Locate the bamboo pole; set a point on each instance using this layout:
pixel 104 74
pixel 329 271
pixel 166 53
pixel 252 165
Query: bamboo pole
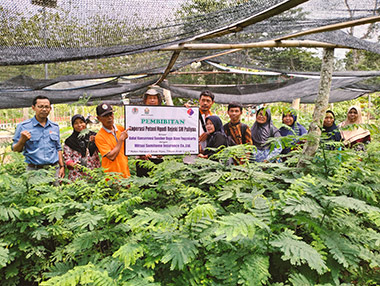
pixel 320 107
pixel 169 67
pixel 25 113
pixel 202 72
pixel 258 17
pixel 327 28
pixel 219 54
pixel 264 44
pixel 168 96
pixel 296 103
pixel 333 27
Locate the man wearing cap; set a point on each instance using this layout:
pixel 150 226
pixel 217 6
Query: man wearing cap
pixel 151 97
pixel 38 138
pixel 110 141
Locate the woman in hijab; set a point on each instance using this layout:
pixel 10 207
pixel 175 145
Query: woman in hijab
pixel 216 137
pixel 357 136
pixel 261 131
pixel 80 150
pixel 330 130
pixel 292 128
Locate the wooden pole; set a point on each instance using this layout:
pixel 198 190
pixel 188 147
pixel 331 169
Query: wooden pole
pixel 25 113
pixel 264 44
pixel 218 55
pixel 369 108
pixel 168 96
pixel 333 27
pixel 320 108
pixel 169 67
pixel 296 104
pixel 256 18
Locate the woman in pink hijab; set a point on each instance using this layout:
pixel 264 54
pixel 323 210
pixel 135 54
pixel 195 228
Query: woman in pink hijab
pixel 354 136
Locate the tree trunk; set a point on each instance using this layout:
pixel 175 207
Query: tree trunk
pixel 168 96
pixel 320 108
pixel 296 103
pixel 25 113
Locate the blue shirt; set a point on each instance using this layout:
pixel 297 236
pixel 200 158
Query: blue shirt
pixel 43 146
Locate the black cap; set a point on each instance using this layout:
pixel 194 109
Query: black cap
pixel 103 109
pixel 75 117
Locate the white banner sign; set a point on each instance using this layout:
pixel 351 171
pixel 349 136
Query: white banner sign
pixel 161 130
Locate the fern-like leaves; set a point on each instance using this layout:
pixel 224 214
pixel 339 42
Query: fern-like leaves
pixel 180 252
pixel 4 255
pixel 81 275
pixel 129 253
pixel 342 250
pixel 239 224
pixel 255 270
pixel 298 252
pixel 200 211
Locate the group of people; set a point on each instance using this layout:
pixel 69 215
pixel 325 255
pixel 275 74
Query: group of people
pixel 215 134
pixel 39 138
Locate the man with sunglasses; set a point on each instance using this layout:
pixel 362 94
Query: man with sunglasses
pixel 38 138
pixel 110 141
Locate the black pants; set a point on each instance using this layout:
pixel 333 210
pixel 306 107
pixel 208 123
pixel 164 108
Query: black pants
pixel 142 171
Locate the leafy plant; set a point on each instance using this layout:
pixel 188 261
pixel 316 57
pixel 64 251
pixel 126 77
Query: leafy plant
pixel 203 224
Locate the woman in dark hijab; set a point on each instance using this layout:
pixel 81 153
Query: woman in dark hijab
pixel 261 131
pixel 330 130
pixel 80 150
pixel 216 137
pixel 292 128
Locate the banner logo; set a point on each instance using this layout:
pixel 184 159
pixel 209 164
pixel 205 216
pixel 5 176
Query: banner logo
pixel 190 111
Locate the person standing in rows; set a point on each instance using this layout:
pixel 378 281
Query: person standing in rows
pixel 330 131
pixel 152 98
pixel 206 100
pixel 216 138
pixel 39 140
pixel 291 128
pixel 110 141
pixel 80 150
pixel 262 130
pixel 237 131
pixel 354 137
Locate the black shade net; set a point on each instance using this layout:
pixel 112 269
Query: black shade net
pixel 115 39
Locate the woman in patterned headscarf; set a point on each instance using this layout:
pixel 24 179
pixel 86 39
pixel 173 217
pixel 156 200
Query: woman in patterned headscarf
pixel 261 131
pixel 356 136
pixel 80 151
pixel 292 128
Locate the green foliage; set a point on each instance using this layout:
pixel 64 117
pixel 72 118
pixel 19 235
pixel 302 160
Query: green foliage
pixel 298 251
pixel 203 224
